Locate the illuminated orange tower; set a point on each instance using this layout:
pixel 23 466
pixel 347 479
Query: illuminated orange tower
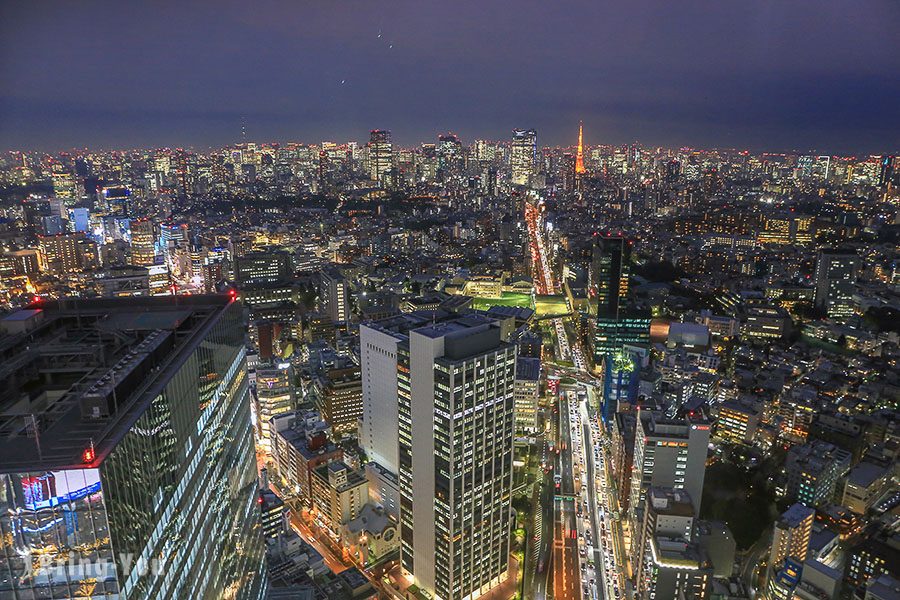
pixel 579 156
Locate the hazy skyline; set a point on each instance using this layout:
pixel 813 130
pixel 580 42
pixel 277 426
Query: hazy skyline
pixel 765 75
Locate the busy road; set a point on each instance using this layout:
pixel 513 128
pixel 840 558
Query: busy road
pixel 587 558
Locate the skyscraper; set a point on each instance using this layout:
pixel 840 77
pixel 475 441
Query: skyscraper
pixel 64 183
pixel 836 272
pixel 131 471
pixel 616 323
pixel 335 295
pixel 669 453
pixel 523 153
pixel 456 445
pixel 620 382
pixel 378 361
pixel 143 242
pixel 449 155
pixel 610 270
pixel 381 156
pixel 116 200
pixel 274 395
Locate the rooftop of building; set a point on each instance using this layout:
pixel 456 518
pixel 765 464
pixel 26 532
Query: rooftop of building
pixel 521 313
pixel 657 424
pixel 816 455
pixel 795 515
pixel 865 474
pixel 269 500
pixel 372 518
pixel 528 369
pixel 676 553
pixel 400 325
pixel 465 336
pixel 354 478
pixel 298 428
pixel 670 501
pixel 78 379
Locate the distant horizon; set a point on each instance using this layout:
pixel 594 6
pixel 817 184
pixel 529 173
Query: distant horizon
pixel 466 141
pixel 761 76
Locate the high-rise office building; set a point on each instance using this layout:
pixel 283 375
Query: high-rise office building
pixel 335 295
pixel 143 242
pixel 669 562
pixel 381 156
pixel 378 361
pixel 64 183
pixel 449 155
pixel 609 274
pixel 131 471
pixel 269 266
pixel 616 322
pixel 379 343
pixel 172 236
pixel 338 394
pixel 116 200
pixel 790 538
pixel 456 448
pixel 836 272
pixel 25 262
pixel 273 395
pixel 62 253
pixel 522 156
pixel 669 453
pixel 527 393
pixel 620 382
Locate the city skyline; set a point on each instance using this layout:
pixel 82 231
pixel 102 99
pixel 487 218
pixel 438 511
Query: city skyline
pixel 433 301
pixel 125 76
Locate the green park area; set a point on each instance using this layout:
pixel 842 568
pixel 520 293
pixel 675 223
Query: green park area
pixel 741 501
pixel 545 306
pixel 506 299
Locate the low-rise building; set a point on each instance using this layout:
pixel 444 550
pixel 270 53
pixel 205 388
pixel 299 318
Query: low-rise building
pixel 766 323
pixel 300 444
pixel 371 535
pixel 813 470
pixel 339 494
pixel 866 483
pixel 738 421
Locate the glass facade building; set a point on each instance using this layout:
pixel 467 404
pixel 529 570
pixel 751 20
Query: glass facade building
pixel 152 496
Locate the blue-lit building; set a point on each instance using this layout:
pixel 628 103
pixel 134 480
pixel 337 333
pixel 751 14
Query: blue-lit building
pixel 621 380
pixel 784 582
pixel 80 218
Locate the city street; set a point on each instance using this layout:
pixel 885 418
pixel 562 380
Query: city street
pixel 565 570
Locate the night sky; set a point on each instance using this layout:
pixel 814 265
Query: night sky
pixel 759 74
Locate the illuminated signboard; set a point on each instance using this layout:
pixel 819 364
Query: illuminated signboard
pixel 59 487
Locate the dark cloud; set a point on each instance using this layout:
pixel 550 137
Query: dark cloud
pixel 774 74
